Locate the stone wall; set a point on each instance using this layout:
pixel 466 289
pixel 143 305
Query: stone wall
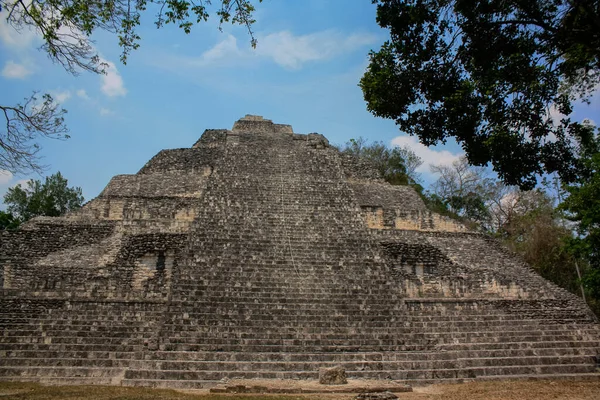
pixel 356 168
pixel 117 265
pixel 39 238
pixel 175 183
pixel 464 265
pixel 259 125
pixel 193 160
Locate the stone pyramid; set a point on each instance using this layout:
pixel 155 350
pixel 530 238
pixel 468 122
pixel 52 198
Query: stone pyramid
pixel 262 253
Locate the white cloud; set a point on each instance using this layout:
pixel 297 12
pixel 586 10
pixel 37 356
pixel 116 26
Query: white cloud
pixel 291 51
pixel 9 36
pixel 5 176
pixel 81 93
pixel 105 111
pixel 429 155
pixel 283 47
pixel 112 82
pixel 12 70
pixel 61 97
pixel 23 39
pixel 588 121
pixel 225 49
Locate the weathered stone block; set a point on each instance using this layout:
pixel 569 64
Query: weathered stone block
pixel 332 376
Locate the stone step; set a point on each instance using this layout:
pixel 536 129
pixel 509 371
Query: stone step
pixel 80 324
pixel 62 347
pixel 68 362
pixel 367 356
pixel 343 320
pixel 296 278
pixel 403 348
pixel 79 331
pixel 378 374
pixel 341 333
pixel 256 338
pixel 60 372
pixel 183 305
pixel 374 342
pixel 183 322
pixel 182 325
pixel 423 322
pixel 549 377
pixel 298 357
pixel 518 345
pixel 90 355
pixel 73 380
pixel 349 366
pixel 171 384
pixel 191 384
pixel 185 319
pixel 248 286
pixel 95 340
pixel 43 302
pixel 409 346
pixel 526 361
pixel 230 304
pixel 91 318
pixel 73 339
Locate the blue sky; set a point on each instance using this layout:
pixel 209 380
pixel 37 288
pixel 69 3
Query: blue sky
pixel 304 72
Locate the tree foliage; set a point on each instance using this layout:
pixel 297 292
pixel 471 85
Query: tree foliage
pixel 65 28
pixel 466 192
pixel 533 229
pixel 51 198
pixel 494 75
pixel 67 25
pixel 396 165
pixel 583 207
pixel 8 221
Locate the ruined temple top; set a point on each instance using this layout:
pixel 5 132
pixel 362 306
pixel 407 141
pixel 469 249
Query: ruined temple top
pixel 258 124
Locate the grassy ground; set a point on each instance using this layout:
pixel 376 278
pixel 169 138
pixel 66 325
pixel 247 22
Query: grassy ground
pixel 525 390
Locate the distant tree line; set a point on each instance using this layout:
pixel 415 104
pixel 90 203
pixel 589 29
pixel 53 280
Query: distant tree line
pixel 51 198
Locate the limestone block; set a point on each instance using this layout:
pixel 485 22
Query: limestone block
pixel 374 218
pixel 332 376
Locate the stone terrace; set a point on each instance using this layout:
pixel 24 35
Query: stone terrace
pixel 262 253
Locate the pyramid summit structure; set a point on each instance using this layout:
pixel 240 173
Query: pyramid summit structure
pixel 263 253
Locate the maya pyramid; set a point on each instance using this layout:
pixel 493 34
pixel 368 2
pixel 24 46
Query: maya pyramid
pixel 262 253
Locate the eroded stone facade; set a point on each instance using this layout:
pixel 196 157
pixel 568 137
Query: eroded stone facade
pixel 263 253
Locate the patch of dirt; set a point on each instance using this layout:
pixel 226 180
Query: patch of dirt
pixel 307 386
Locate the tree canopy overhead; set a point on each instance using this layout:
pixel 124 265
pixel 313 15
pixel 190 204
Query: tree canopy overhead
pixel 66 25
pixel 499 76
